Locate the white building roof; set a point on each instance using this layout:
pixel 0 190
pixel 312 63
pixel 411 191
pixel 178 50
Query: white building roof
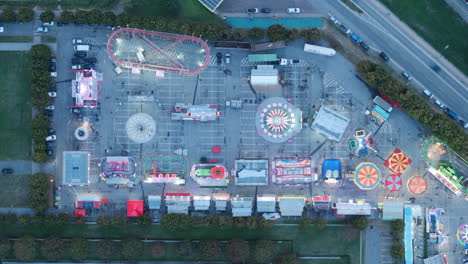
pixel 75 168
pixel 330 123
pixel 291 206
pixel 154 202
pixel 392 210
pixel 264 75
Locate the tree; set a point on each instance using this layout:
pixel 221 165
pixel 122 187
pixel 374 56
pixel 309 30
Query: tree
pixel 256 33
pixel 158 250
pixel 105 249
pixel 398 227
pixel 25 248
pixel 287 258
pixel 311 34
pixel 225 222
pixel 263 223
pixel 198 220
pixel 5 247
pixel 292 34
pixel 118 220
pixel 103 220
pixel 95 17
pixel 184 248
pixel 25 15
pixel 237 34
pixel 39 192
pixel 263 251
pixel 81 17
pixel 66 17
pixel 251 222
pixel 79 248
pixel 8 15
pixel 109 18
pixel 305 222
pixel 24 219
pixel 40 51
pixel 63 219
pixel 47 16
pixel 175 222
pixel 52 248
pixel 10 219
pixel 210 220
pixel 277 32
pixel 144 220
pixel 239 222
pixel 80 220
pixel 359 222
pixel 320 223
pixel 398 251
pixel 132 248
pixel 40 157
pixel 238 250
pixel 210 249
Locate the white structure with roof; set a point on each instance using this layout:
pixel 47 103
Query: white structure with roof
pixel 75 168
pixel 266 203
pixel 221 200
pixel 392 210
pixel 291 206
pixel 241 206
pixel 353 208
pixel 178 204
pixel 264 76
pixel 154 202
pixel 251 172
pixel 330 123
pixel 201 202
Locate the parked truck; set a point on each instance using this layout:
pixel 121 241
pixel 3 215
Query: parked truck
pixel 268 58
pixel 319 50
pixel 81 47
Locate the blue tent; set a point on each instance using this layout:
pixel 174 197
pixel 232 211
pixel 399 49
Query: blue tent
pixel 331 169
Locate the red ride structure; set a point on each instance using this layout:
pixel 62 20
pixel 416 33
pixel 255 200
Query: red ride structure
pixel 157 51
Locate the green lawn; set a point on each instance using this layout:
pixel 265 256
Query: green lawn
pixel 437 24
pixel 190 10
pixel 334 241
pixel 16 39
pixel 48 39
pixel 17 192
pixel 15 106
pixel 65 4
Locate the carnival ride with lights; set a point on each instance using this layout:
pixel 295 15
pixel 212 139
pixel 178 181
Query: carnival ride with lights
pixel 209 175
pixel 367 176
pixel 163 169
pixel 361 143
pixel 397 162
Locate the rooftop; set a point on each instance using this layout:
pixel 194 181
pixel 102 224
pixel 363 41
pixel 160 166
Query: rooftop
pixel 75 168
pixel 330 123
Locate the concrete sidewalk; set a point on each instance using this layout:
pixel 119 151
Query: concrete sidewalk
pixel 15 46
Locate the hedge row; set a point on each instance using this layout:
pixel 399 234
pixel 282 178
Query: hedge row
pixel 438 124
pixel 39 192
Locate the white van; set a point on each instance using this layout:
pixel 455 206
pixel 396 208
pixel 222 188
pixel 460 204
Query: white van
pixel 428 94
pixel 81 47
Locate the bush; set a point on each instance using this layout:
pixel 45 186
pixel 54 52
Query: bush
pixel 198 220
pixel 287 258
pixel 311 35
pixel 24 219
pixel 144 220
pixel 210 249
pixel 305 222
pixel 95 17
pixel 118 220
pixel 5 247
pixel 25 248
pixel 106 249
pixel 80 220
pixel 251 222
pixel 132 248
pixel 81 17
pixel 10 219
pixel 63 219
pixel 8 15
pixel 158 250
pixel 225 222
pixel 184 249
pixel 256 33
pixel 109 18
pixel 263 223
pixel 263 251
pixel 47 16
pixel 210 220
pixel 398 251
pixel 39 192
pixel 238 250
pixel 175 222
pixel 398 226
pixel 66 17
pixel 25 15
pixel 359 222
pixel 52 248
pixel 79 248
pixel 239 222
pixel 277 33
pixel 103 220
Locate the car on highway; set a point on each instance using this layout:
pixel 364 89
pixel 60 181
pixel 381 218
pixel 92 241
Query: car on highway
pixel 42 30
pixel 227 58
pixel 77 41
pixel 364 46
pixel 428 94
pixel 344 29
pixel 333 19
pixel 439 104
pixel 80 54
pixel 355 38
pixel 407 76
pixel 462 123
pixel 435 68
pixel 384 56
pixel 51 138
pixel 451 113
pixel 52 94
pixel 219 58
pixel 252 10
pixel 293 10
pixel 49 107
pixel 265 10
pixel 7 171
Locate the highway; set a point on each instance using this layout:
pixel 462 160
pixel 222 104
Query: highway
pixel 406 54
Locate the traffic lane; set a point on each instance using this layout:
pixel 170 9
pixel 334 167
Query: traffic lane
pixel 403 57
pixel 278 8
pixel 19 167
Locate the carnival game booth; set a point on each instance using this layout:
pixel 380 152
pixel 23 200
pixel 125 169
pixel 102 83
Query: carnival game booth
pixel 178 203
pixel 135 208
pixel 331 170
pixel 321 202
pixel 86 205
pixel 241 206
pixel 251 172
pixel 201 202
pixel 359 207
pixel 85 88
pixel 293 171
pixel 220 200
pixel 266 203
pixel 164 169
pixel 210 175
pixel 291 206
pixel 188 112
pixel 117 169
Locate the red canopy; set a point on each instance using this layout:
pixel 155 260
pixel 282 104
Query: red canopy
pixel 216 149
pixel 134 208
pixel 218 172
pixel 80 213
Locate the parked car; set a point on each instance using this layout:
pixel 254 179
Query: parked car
pixel 48 113
pixel 88 66
pixel 344 29
pixel 7 171
pixel 293 10
pixel 52 94
pixel 265 10
pixel 51 138
pixel 364 45
pixel 439 104
pixel 1 29
pixel 77 67
pixel 355 38
pixel 49 24
pixel 407 76
pixel 428 94
pixel 42 30
pixel 51 144
pixel 75 61
pixel 53 60
pixel 49 152
pixel 51 131
pixel 49 107
pixel 227 57
pixel 462 123
pixel 451 113
pixel 219 58
pixel 252 10
pixel 295 61
pixel 91 60
pixel 384 56
pixel 77 41
pixel 333 19
pixel 80 54
pixel 52 68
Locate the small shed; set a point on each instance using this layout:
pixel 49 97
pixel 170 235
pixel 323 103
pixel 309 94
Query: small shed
pixel 264 76
pixel 241 206
pixel 154 202
pixel 291 206
pixel 266 203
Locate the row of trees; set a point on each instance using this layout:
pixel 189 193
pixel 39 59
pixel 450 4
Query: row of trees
pixel 23 15
pixel 40 83
pixel 398 228
pixel 439 124
pixel 178 222
pixel 53 248
pixel 39 189
pixel 38 219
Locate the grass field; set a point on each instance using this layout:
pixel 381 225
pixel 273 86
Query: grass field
pixel 65 4
pixel 17 192
pixel 190 10
pixel 331 241
pixel 15 106
pixel 437 24
pixel 16 39
pixel 48 39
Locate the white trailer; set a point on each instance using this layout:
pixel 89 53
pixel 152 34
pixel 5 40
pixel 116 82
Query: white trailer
pixel 319 50
pixel 140 56
pixel 81 47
